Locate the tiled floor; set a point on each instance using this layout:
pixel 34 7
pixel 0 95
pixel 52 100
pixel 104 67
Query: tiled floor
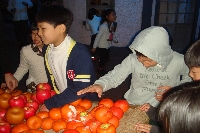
pixel 11 56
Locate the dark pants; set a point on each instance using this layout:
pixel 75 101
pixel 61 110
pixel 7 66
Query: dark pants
pixel 21 31
pixel 103 53
pixel 92 42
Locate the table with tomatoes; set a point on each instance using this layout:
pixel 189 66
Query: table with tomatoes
pixel 19 112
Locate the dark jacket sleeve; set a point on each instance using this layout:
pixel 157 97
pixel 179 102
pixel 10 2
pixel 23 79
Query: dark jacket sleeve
pixel 80 62
pixel 153 115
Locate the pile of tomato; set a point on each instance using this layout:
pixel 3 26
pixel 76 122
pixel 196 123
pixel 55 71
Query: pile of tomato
pixel 16 106
pixel 80 116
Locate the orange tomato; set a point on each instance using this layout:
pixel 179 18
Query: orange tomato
pixel 71 131
pixel 83 129
pixel 1 91
pixel 19 128
pixel 43 114
pixel 106 128
pixel 16 92
pixel 93 124
pixel 28 95
pixel 117 111
pixel 4 98
pixel 79 109
pixel 107 102
pixel 55 113
pixel 73 124
pixel 123 104
pixel 103 114
pixel 75 103
pixel 68 112
pixel 115 121
pixel 47 123
pixel 34 122
pixel 87 104
pixel 92 112
pixel 59 125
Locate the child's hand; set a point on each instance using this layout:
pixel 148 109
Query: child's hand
pixel 3 85
pixel 144 128
pixel 92 88
pixel 93 50
pixel 11 81
pixel 160 91
pixel 145 107
pixel 43 108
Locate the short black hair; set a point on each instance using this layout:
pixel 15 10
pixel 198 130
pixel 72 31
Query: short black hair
pixel 192 56
pixel 55 15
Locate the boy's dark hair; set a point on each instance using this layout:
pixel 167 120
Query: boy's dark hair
pixel 91 13
pixel 33 26
pixel 138 54
pixel 55 15
pixel 192 56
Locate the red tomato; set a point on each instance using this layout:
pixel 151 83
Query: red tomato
pixel 117 111
pixel 92 112
pixel 106 128
pixel 107 102
pixel 93 124
pixel 123 104
pixel 43 86
pixel 71 131
pixel 103 114
pixel 15 115
pixel 115 121
pixel 16 101
pixel 83 129
pixel 5 127
pixel 73 124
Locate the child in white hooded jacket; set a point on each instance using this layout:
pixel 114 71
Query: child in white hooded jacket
pixel 154 66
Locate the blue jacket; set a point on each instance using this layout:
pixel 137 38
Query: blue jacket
pixel 82 75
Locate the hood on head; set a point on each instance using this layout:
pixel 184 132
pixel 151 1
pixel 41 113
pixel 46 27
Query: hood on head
pixel 153 42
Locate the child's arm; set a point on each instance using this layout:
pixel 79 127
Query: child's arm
pixel 92 88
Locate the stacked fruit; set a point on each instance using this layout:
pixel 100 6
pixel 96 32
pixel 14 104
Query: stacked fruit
pixel 16 106
pixel 77 117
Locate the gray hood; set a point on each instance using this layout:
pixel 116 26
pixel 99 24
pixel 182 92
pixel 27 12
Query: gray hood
pixel 153 42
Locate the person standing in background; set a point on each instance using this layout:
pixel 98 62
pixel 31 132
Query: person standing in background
pixel 20 18
pixel 92 24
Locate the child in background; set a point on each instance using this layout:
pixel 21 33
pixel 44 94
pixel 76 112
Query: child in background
pixel 104 38
pixel 154 66
pixel 32 61
pixel 192 60
pixel 92 24
pixel 68 64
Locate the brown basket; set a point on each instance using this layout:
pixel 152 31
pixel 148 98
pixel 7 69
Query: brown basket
pixel 131 117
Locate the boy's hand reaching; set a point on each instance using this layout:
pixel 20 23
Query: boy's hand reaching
pixel 11 81
pixel 92 88
pixel 160 91
pixel 144 128
pixel 145 107
pixel 43 108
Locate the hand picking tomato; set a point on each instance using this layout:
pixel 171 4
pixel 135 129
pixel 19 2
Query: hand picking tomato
pixel 106 128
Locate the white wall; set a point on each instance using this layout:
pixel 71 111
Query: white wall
pixel 129 14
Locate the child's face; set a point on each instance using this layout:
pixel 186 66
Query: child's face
pixel 146 61
pixel 36 39
pixel 195 73
pixel 49 34
pixel 112 17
